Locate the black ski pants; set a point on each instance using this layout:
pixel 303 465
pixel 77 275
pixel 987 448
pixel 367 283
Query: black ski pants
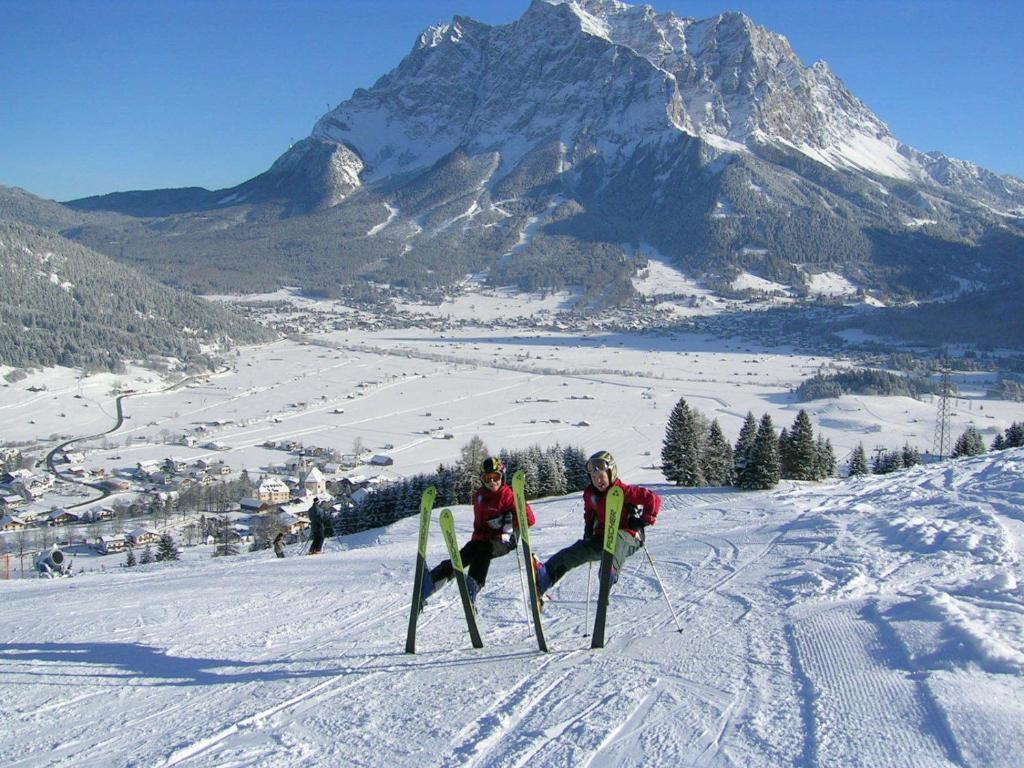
pixel 476 559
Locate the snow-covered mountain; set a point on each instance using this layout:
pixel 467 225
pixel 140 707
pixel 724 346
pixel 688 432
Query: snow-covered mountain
pixel 874 622
pixel 538 148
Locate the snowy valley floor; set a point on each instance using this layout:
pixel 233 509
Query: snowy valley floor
pixel 875 622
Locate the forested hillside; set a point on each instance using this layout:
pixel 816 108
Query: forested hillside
pixel 62 304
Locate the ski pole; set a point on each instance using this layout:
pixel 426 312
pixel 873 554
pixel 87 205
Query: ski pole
pixel 662 585
pixel 586 609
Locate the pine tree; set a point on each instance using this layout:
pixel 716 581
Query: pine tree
pixel 859 462
pixel 911 455
pixel 166 550
pixel 1015 435
pixel 824 458
pixel 691 469
pixel 471 457
pixel 786 459
pixel 129 560
pixel 802 448
pixel 672 447
pixel 970 443
pixel 147 556
pixel 762 469
pixel 718 461
pixel 744 445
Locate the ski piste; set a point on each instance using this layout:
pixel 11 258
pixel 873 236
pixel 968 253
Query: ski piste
pixel 612 515
pixel 426 507
pixel 518 483
pixel 447 523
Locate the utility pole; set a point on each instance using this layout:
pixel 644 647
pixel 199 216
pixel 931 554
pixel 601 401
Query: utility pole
pixel 940 445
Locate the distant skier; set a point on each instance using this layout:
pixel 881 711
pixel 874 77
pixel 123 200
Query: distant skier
pixel 279 544
pixel 640 508
pixel 317 527
pixel 495 531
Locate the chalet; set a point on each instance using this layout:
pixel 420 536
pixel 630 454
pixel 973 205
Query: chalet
pixel 116 484
pixel 253 505
pixel 143 536
pixel 314 483
pixel 175 465
pixel 292 524
pixel 11 500
pixel 109 544
pixel 103 513
pixel 380 460
pixel 11 523
pixel 73 457
pixel 189 441
pixel 60 516
pixel 148 467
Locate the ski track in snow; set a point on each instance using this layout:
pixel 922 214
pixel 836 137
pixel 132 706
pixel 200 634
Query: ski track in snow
pixel 864 623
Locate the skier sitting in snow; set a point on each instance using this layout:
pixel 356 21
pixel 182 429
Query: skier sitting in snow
pixel 639 509
pixel 495 531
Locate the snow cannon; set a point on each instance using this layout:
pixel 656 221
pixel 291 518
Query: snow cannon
pixel 53 564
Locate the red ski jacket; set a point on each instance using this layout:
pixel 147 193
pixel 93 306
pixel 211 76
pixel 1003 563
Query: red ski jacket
pixel 494 513
pixel 636 500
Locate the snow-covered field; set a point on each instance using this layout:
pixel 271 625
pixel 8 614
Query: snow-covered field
pixel 409 388
pixel 875 622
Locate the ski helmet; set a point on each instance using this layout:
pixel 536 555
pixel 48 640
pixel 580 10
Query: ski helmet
pixel 604 460
pixel 492 464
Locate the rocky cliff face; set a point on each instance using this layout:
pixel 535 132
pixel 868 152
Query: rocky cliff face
pixel 537 149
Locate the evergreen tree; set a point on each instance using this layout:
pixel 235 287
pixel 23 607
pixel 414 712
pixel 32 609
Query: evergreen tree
pixel 129 560
pixel 998 443
pixel 552 474
pixel 691 469
pixel 859 462
pixel 672 446
pixel 147 556
pixel 970 443
pixel 762 469
pixel 911 455
pixel 468 479
pixel 718 461
pixel 575 461
pixel 824 458
pixel 744 445
pixel 786 459
pixel 802 448
pixel 1014 435
pixel 166 550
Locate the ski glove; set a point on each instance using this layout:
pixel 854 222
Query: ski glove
pixel 509 540
pixel 635 522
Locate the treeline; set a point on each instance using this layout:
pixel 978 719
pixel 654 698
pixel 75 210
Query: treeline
pixel 61 304
pixel 864 381
pixel 552 471
pixel 884 462
pixel 696 454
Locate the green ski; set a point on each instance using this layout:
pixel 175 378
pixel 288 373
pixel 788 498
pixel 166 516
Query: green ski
pixel 426 507
pixel 518 481
pixel 447 523
pixel 612 514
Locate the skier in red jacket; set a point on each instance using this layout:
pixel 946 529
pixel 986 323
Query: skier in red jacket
pixel 639 509
pixel 495 531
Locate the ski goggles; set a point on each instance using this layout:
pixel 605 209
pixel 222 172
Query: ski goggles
pixel 492 477
pixel 597 465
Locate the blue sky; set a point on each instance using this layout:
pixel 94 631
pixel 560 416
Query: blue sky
pixel 106 95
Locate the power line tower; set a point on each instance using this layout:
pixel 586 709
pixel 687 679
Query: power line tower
pixel 940 444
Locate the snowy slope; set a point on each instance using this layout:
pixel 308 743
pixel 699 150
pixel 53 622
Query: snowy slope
pixel 873 622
